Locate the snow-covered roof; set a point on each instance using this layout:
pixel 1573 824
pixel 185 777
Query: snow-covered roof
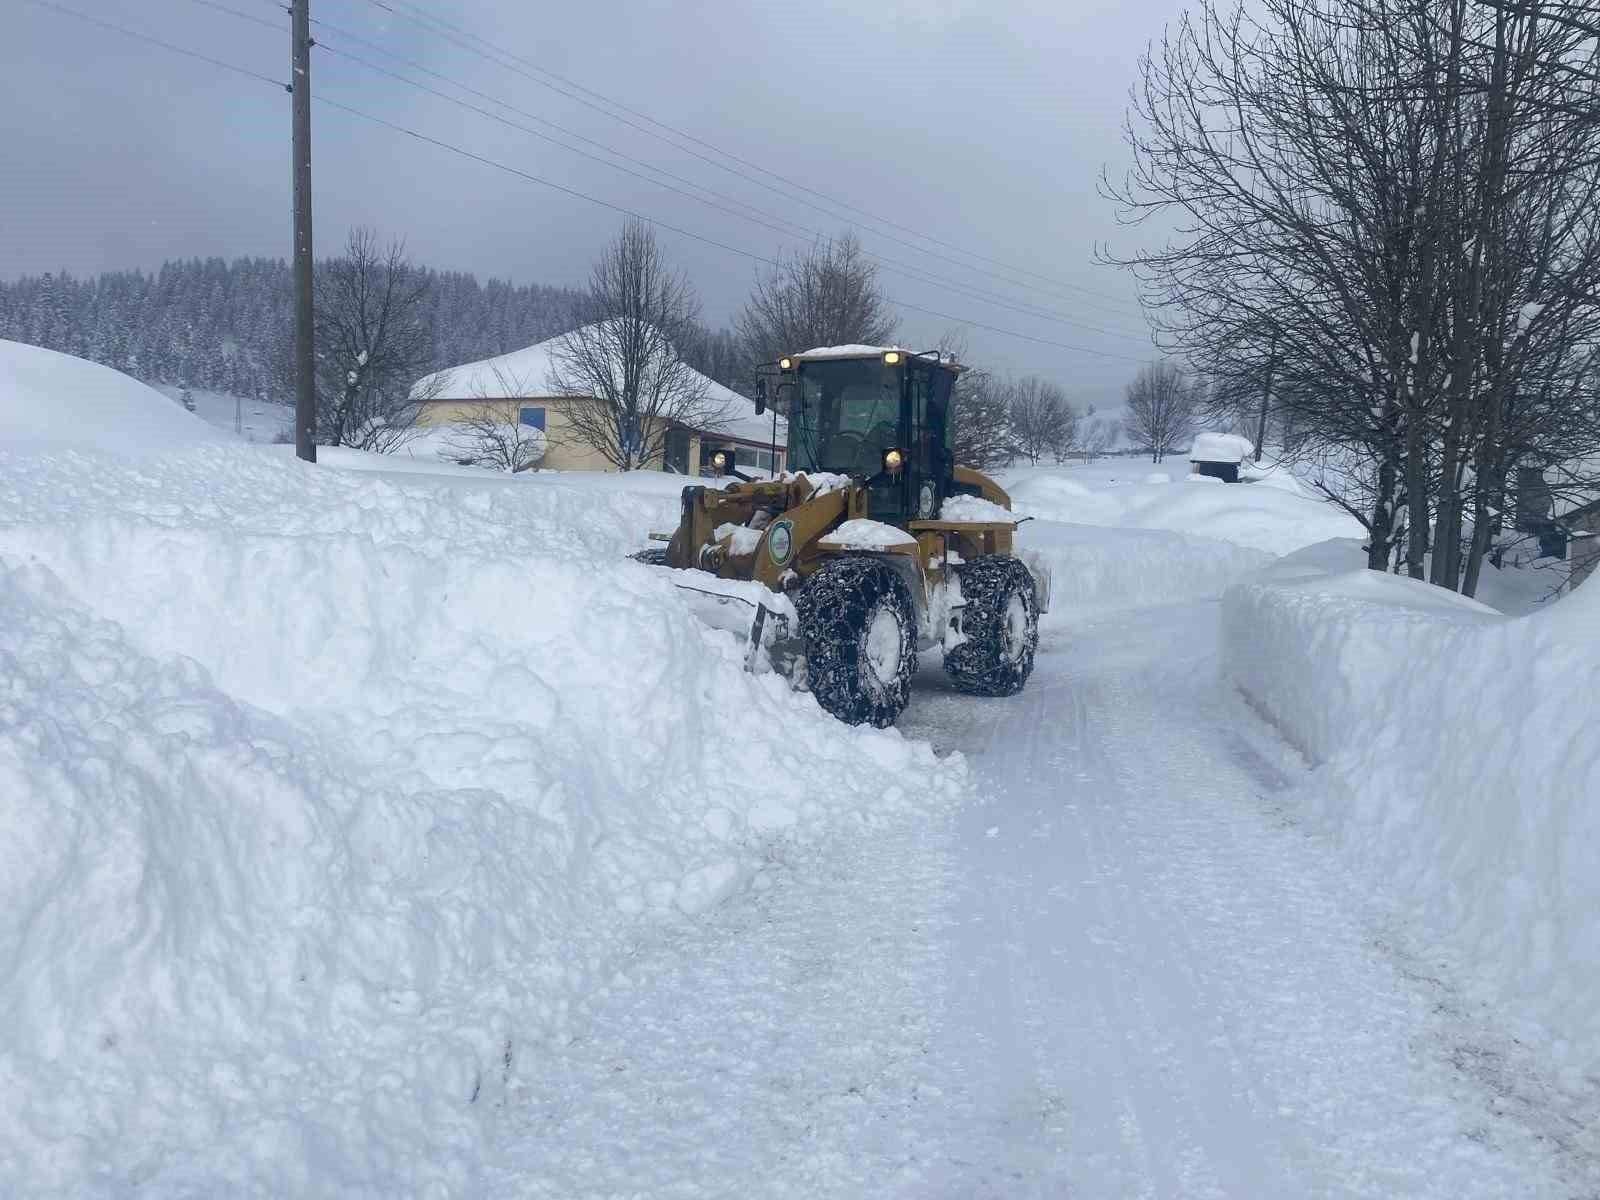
pixel 525 375
pixel 820 353
pixel 1220 448
pixel 855 351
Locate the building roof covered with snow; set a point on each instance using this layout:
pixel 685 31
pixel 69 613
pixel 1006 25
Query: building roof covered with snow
pixel 525 375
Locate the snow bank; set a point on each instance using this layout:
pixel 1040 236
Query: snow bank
pixel 327 796
pixel 1457 760
pixel 1098 570
pixel 51 400
pixel 1271 519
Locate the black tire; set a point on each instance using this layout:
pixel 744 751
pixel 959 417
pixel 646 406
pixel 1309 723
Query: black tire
pixel 651 557
pixel 1001 624
pixel 860 637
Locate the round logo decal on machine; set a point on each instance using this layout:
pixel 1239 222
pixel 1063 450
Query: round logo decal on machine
pixel 780 542
pixel 925 501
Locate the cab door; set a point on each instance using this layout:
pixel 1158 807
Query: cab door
pixel 930 462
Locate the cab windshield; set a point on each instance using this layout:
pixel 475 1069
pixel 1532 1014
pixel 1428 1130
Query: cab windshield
pixel 844 415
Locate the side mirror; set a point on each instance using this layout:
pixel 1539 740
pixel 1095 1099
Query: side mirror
pixel 761 395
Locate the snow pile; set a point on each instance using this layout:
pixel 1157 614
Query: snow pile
pixel 975 508
pixel 1220 448
pixel 1272 519
pixel 327 797
pixel 45 403
pixel 1456 758
pixel 742 539
pixel 862 534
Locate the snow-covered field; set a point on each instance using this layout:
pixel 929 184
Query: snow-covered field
pixel 253 420
pixel 376 828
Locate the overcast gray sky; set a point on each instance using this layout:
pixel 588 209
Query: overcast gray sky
pixel 984 125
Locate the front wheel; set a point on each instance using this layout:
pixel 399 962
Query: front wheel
pixel 1000 622
pixel 860 638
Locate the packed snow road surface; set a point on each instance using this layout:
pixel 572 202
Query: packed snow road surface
pixel 1127 972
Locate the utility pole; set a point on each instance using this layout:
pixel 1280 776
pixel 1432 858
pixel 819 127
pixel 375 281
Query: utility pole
pixel 305 382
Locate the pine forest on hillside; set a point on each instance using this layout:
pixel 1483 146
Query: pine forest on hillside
pixel 225 325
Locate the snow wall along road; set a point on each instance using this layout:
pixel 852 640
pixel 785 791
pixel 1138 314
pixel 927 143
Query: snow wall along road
pixel 326 797
pixel 1457 758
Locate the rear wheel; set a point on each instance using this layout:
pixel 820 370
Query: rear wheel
pixel 860 640
pixel 1001 624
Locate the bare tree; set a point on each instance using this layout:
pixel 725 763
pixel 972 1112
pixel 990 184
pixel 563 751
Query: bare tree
pixel 1161 408
pixel 1042 420
pixel 1095 436
pixel 980 421
pixel 492 434
pixel 626 384
pixel 980 416
pixel 1381 213
pixel 372 340
pixel 827 295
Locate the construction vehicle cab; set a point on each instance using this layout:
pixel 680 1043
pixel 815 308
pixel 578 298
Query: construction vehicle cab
pixel 881 542
pixel 882 417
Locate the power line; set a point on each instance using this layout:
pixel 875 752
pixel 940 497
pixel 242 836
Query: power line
pixel 717 200
pixel 914 273
pixel 759 258
pixel 414 15
pixel 275 26
pixel 485 160
pixel 155 41
pixel 442 28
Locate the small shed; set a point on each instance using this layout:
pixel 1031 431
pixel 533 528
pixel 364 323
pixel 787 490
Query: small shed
pixel 1219 455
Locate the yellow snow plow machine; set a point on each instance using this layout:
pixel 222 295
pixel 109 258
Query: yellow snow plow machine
pixel 875 544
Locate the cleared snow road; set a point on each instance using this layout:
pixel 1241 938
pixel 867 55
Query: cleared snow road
pixel 1128 972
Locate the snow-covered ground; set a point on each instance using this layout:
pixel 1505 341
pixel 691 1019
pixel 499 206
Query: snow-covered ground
pixel 253 420
pixel 376 828
pixel 1275 516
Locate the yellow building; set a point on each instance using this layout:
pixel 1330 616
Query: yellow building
pixel 515 386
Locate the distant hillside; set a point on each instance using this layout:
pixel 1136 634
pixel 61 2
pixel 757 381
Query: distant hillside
pixel 226 326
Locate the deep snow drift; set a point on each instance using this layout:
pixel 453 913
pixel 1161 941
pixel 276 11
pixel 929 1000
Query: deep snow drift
pixel 327 796
pixel 55 401
pixel 1457 760
pixel 1274 516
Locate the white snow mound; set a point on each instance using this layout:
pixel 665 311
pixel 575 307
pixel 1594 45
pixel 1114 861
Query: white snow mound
pixel 1456 759
pixel 326 797
pixel 55 401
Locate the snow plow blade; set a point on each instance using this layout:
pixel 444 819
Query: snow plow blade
pixel 728 604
